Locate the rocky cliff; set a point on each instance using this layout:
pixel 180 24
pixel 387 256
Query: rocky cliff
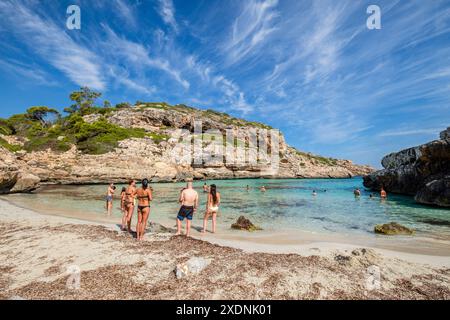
pixel 422 171
pixel 152 155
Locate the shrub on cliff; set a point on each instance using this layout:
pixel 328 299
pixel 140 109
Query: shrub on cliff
pixel 20 124
pixel 84 101
pixel 44 115
pixel 123 105
pixel 5 127
pixel 8 146
pixel 101 136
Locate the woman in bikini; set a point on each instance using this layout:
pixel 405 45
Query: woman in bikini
pixel 122 207
pixel 212 207
pixel 144 196
pixel 130 194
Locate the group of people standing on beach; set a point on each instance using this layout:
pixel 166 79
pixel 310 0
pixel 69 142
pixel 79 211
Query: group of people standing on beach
pixel 188 198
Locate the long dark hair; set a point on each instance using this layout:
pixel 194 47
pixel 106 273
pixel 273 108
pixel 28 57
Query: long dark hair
pixel 144 183
pixel 213 192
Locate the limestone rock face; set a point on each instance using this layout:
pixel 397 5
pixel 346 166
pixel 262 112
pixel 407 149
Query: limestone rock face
pixel 14 176
pixel 25 182
pixel 392 228
pixel 421 171
pixel 160 159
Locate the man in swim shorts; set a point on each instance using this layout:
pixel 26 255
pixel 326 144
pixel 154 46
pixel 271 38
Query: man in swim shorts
pixel 189 205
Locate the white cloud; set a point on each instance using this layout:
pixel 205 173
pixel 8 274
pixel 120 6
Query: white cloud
pixel 252 27
pixel 27 71
pixel 137 56
pixel 53 45
pixel 125 11
pixel 166 10
pixel 396 133
pixel 233 95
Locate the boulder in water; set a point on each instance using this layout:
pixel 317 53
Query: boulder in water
pixel 392 228
pixel 243 223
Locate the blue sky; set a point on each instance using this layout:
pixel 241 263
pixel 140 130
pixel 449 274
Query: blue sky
pixel 310 68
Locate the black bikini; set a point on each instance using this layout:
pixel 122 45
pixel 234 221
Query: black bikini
pixel 143 197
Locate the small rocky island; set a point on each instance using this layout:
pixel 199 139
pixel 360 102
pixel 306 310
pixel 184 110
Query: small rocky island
pixel 422 171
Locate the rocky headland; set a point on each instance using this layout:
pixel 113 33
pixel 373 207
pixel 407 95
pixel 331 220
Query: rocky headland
pixel 422 172
pixel 72 151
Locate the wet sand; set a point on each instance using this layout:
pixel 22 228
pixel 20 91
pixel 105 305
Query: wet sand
pixel 36 251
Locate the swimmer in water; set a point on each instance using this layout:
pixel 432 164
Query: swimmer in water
pixel 263 189
pixel 383 193
pixel 205 188
pixel 314 193
pixel 144 196
pixel 212 207
pixel 357 192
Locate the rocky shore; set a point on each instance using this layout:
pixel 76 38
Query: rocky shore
pixel 422 171
pixel 152 155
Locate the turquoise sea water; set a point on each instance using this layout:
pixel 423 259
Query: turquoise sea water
pixel 287 204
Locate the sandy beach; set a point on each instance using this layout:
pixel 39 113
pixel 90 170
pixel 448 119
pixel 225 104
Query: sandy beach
pixel 37 252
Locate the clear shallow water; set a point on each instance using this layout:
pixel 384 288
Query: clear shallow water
pixel 287 204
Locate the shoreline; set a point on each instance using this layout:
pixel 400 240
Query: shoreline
pixel 125 181
pixel 414 248
pixel 112 263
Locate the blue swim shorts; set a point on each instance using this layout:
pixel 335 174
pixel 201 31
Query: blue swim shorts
pixel 185 212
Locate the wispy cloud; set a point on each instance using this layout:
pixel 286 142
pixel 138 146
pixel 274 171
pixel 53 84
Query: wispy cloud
pixel 27 72
pixel 137 56
pixel 126 11
pixel 396 133
pixel 166 10
pixel 253 25
pixel 49 41
pixel 311 68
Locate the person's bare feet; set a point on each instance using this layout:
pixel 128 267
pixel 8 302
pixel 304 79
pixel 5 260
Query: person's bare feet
pixel 178 233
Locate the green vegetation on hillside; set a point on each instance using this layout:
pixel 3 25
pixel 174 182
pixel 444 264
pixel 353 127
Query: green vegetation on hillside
pixel 60 133
pixel 317 159
pixel 45 127
pixel 10 147
pixel 232 121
